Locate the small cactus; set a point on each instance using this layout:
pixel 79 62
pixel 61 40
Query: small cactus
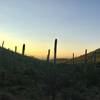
pixel 94 57
pixel 55 51
pixel 85 57
pixel 73 58
pixel 23 49
pixel 15 49
pixel 48 56
pixel 3 44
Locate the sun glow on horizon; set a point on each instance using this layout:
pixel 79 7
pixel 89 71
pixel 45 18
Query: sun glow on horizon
pixel 39 50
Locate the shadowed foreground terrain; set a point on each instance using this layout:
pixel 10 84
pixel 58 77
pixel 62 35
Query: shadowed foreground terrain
pixel 27 78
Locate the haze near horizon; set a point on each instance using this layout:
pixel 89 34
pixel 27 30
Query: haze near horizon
pixel 75 23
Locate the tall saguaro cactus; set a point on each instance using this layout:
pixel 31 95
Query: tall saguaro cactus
pixel 85 57
pixel 48 56
pixel 3 44
pixel 23 49
pixel 73 58
pixel 55 51
pixel 15 49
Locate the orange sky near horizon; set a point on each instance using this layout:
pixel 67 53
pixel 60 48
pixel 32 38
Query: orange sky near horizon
pixel 39 49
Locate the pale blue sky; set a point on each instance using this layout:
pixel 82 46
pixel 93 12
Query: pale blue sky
pixel 37 22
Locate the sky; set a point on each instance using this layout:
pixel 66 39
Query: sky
pixel 75 23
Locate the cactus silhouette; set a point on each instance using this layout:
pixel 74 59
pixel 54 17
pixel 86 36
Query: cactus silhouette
pixel 23 49
pixel 94 57
pixel 73 58
pixel 85 57
pixel 48 56
pixel 3 44
pixel 15 49
pixel 55 51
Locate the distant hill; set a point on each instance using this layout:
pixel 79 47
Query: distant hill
pixel 80 59
pixel 8 54
pixel 61 60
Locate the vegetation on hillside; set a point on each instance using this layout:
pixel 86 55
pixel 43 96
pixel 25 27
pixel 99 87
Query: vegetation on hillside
pixel 26 78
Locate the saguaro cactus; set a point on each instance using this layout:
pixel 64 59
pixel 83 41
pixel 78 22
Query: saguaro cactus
pixel 15 49
pixel 85 57
pixel 73 58
pixel 94 57
pixel 23 49
pixel 48 56
pixel 55 51
pixel 3 44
